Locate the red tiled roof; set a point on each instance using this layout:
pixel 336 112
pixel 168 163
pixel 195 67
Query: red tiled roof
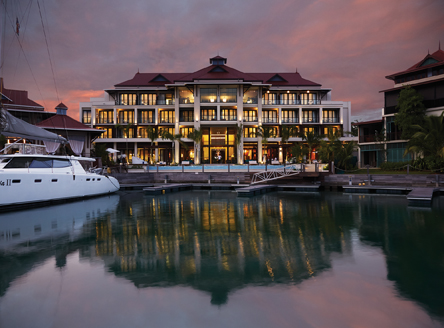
pixel 227 73
pixel 64 122
pixel 437 55
pixel 19 98
pixel 416 84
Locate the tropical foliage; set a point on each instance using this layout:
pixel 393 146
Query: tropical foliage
pixel 312 140
pixel 411 111
pixel 428 139
pixel 196 136
pixel 152 133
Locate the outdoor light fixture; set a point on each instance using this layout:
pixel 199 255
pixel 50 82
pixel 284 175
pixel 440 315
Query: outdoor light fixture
pixel 308 91
pixel 288 91
pixel 224 99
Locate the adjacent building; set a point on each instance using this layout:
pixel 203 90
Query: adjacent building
pixel 380 140
pixel 217 100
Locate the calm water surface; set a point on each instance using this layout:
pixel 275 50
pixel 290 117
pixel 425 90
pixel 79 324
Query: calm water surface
pixel 210 259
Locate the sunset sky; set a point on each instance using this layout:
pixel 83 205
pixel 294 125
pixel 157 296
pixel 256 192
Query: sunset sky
pixel 349 46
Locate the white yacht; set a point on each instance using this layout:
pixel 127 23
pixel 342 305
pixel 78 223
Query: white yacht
pixel 33 177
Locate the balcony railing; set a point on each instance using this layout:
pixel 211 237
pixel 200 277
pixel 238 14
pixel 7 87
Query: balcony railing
pixel 252 100
pixel 120 121
pixel 146 121
pixel 228 118
pixel 394 135
pixel 165 102
pixel 290 120
pixel 330 120
pixel 185 119
pixel 367 138
pixel 250 119
pixel 291 102
pixel 166 120
pixel 310 120
pixel 104 121
pixel 208 118
pixel 269 120
pixel 186 100
pixel 270 102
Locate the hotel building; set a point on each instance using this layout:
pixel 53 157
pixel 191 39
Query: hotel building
pixel 217 100
pixel 380 140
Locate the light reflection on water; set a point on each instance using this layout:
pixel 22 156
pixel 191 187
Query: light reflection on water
pixel 199 259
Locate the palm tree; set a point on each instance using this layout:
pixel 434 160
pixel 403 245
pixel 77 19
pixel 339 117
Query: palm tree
pixel 287 132
pixel 298 151
pixel 329 147
pixel 312 140
pixel 238 141
pixel 196 136
pixel 125 131
pixel 345 154
pixel 152 133
pixel 265 133
pixel 165 135
pixel 428 139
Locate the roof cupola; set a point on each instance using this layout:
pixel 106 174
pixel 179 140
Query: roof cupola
pixel 218 60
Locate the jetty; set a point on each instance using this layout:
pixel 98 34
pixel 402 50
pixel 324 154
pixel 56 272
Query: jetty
pixel 162 189
pixel 421 196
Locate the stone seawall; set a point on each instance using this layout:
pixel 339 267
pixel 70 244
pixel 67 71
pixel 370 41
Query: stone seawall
pixel 186 177
pixel 398 180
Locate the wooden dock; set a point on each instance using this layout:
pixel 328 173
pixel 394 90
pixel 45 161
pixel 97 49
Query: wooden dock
pixel 304 188
pixel 421 196
pixel 377 189
pixel 135 186
pixel 158 190
pixel 255 190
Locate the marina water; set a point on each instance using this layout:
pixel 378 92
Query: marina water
pixel 211 259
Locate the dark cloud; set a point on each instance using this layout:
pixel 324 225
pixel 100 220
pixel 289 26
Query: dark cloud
pixel 349 46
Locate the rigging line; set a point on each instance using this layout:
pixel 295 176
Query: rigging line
pixel 26 58
pixel 49 54
pixel 28 9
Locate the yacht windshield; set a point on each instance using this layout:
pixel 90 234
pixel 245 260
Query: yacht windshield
pixel 36 162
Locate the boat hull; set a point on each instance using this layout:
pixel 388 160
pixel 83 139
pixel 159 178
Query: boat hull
pixel 27 188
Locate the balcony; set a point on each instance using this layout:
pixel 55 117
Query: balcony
pixel 186 119
pixel 290 120
pixel 186 100
pixel 367 138
pixel 165 102
pixel 208 118
pixel 393 136
pixel 269 120
pixel 270 102
pixel 250 100
pixel 310 102
pixel 146 121
pixel 289 102
pixel 310 120
pixel 166 120
pixel 250 119
pixel 228 118
pixel 104 121
pixel 330 120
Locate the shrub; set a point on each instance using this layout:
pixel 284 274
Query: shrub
pixel 393 166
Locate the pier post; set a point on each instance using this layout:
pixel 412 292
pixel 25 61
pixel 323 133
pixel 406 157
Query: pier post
pixel 182 168
pixel 228 167
pixel 203 169
pixel 157 168
pixel 248 168
pixel 437 181
pixel 408 168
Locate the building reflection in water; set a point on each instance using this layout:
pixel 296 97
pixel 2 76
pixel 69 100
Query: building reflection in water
pixel 217 242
